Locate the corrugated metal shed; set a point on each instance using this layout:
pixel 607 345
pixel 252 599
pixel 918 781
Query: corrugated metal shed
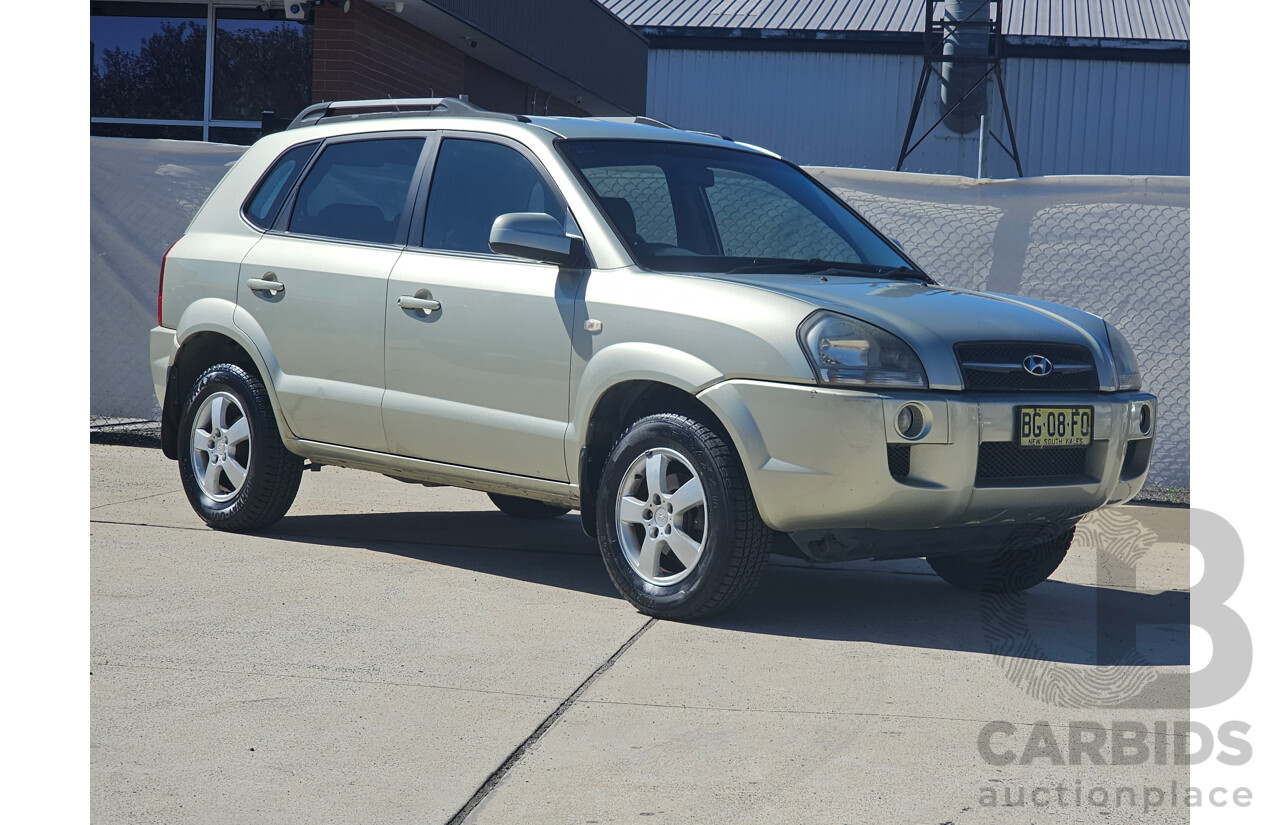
pixel 1070 116
pixel 1093 19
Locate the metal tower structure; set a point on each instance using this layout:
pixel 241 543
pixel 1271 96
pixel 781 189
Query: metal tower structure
pixel 962 46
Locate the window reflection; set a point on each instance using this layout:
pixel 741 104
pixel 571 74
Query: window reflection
pixel 260 65
pixel 147 67
pixel 148 63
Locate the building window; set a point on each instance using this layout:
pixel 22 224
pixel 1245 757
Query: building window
pixel 148 66
pixel 195 70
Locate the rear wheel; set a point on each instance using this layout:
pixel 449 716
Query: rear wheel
pixel 235 470
pixel 527 507
pixel 1020 565
pixel 678 528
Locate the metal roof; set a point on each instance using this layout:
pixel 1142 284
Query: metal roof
pixel 1094 19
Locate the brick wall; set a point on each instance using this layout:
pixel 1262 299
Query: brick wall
pixel 371 53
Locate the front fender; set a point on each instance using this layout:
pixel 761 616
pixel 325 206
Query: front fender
pixel 631 361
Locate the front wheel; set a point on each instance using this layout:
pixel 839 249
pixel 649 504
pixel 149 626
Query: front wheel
pixel 1021 564
pixel 678 528
pixel 235 470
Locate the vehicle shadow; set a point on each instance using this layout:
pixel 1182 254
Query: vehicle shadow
pixel 891 603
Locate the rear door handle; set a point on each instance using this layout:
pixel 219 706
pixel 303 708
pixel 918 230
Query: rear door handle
pixel 265 284
pixel 414 302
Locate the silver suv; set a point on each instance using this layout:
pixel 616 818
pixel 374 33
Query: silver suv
pixel 686 338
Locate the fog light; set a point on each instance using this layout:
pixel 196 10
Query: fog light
pixel 910 421
pixel 1144 420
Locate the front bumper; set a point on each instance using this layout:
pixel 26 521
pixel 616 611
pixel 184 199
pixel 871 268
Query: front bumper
pixel 819 459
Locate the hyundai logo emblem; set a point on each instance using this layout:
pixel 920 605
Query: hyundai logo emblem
pixel 1037 365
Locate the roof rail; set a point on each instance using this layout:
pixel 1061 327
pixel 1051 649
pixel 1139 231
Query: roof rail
pixel 397 107
pixel 649 121
pixel 640 119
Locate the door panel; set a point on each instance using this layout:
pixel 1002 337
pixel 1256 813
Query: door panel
pixel 325 330
pixel 484 380
pixel 319 289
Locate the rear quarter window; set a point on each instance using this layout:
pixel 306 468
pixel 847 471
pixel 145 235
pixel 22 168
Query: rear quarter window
pixel 274 188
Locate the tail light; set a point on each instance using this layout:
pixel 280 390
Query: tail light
pixel 160 293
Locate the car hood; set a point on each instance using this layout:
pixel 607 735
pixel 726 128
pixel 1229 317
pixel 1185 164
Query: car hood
pixel 933 318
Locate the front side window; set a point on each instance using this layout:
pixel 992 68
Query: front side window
pixel 357 190
pixel 475 182
pixel 686 207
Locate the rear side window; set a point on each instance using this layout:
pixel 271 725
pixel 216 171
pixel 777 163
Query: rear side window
pixel 357 190
pixel 473 183
pixel 274 188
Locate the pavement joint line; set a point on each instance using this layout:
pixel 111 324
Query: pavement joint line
pixel 867 713
pixel 133 500
pixel 495 778
pixel 269 675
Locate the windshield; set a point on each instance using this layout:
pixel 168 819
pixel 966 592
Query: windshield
pixel 683 207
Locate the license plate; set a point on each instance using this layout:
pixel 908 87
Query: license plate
pixel 1055 426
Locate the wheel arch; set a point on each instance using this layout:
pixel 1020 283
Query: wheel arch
pixel 617 408
pixel 198 350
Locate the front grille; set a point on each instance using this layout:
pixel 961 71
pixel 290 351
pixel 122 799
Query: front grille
pixel 899 460
pixel 1003 463
pixel 997 365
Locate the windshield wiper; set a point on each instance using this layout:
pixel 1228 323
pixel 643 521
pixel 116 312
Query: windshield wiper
pixel 818 266
pixel 906 273
pixel 812 266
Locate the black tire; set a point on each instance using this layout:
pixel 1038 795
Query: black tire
pixel 271 473
pixel 1022 564
pixel 734 543
pixel 527 507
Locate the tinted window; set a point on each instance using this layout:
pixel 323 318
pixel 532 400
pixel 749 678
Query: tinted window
pixel 147 66
pixel 275 186
pixel 473 183
pixel 357 190
pixel 260 65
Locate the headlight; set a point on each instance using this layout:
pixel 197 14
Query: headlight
pixel 1128 376
pixel 844 350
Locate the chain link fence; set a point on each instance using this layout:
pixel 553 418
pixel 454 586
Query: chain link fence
pixel 1114 246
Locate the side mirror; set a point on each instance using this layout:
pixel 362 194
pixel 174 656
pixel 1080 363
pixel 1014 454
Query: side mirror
pixel 535 236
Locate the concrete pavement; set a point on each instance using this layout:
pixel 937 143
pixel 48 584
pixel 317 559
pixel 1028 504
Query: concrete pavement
pixel 392 653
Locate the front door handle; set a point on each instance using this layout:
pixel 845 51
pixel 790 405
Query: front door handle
pixel 427 305
pixel 267 283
